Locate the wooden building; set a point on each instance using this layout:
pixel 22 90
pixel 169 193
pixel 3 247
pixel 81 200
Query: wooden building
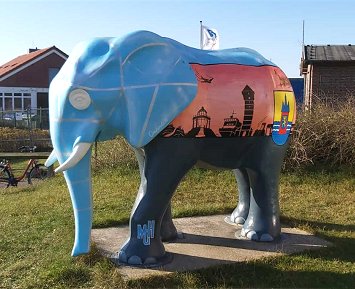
pixel 24 81
pixel 329 72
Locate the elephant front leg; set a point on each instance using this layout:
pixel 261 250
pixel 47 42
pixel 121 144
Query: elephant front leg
pixel 144 246
pixel 163 172
pixel 241 212
pixel 168 230
pixel 263 222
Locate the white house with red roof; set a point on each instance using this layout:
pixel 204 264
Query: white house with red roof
pixel 24 81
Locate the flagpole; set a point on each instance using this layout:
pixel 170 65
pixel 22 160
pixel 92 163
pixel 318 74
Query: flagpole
pixel 201 44
pixel 303 39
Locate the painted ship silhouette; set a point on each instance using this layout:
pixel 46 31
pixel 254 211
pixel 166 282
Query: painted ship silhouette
pixel 231 127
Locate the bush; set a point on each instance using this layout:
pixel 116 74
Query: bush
pixel 324 136
pixel 114 153
pixel 13 138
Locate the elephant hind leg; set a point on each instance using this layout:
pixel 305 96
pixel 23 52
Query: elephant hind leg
pixel 168 230
pixel 263 222
pixel 240 213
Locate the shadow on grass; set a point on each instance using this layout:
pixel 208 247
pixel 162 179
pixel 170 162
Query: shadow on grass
pixel 344 247
pixel 71 277
pixel 110 223
pixel 316 224
pixel 249 275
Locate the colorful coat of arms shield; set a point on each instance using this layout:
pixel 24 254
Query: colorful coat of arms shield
pixel 284 115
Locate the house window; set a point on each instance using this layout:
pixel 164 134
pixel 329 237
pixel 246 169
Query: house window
pixel 8 103
pixel 18 103
pixel 42 99
pixel 26 103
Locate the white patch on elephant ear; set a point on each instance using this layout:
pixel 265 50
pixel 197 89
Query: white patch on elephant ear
pixel 80 99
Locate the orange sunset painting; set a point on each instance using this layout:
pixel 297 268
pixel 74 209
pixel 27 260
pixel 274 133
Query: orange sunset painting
pixel 232 101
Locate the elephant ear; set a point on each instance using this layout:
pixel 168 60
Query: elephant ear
pixel 159 84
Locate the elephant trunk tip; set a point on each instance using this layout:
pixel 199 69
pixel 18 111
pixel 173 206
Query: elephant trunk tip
pixel 80 250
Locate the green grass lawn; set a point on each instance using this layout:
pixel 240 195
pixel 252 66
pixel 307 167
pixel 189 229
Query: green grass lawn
pixel 37 231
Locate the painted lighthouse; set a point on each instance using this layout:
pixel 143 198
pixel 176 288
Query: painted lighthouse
pixel 285 111
pixel 283 116
pixel 248 95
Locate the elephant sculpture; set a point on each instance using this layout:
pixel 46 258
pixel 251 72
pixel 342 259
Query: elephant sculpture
pixel 177 107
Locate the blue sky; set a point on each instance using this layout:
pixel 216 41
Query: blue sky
pixel 272 27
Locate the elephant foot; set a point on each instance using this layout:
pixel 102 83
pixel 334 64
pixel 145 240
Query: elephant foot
pixel 256 236
pixel 121 259
pixel 135 253
pixel 261 230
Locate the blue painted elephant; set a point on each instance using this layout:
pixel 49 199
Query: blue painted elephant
pixel 177 107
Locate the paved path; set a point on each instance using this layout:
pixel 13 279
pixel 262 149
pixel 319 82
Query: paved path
pixel 207 241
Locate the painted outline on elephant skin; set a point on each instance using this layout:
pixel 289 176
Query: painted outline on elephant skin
pixel 133 86
pixel 149 113
pixel 141 47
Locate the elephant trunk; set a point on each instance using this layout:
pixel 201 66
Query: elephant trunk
pixel 78 179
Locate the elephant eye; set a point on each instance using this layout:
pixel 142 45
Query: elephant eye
pixel 80 99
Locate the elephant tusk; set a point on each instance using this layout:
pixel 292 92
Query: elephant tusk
pixel 51 159
pixel 78 153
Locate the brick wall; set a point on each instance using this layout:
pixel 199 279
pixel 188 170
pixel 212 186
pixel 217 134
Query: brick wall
pixel 333 81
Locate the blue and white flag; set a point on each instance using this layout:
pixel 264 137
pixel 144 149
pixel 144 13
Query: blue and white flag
pixel 209 38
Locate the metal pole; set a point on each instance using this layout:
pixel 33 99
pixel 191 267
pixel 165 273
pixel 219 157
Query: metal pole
pixel 30 126
pixel 40 118
pixel 201 43
pixel 28 119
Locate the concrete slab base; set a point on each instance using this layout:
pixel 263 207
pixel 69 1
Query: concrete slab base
pixel 205 242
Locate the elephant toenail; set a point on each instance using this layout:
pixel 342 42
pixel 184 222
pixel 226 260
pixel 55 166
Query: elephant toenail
pixel 150 260
pixel 266 238
pixel 135 260
pixel 122 257
pixel 252 235
pixel 239 220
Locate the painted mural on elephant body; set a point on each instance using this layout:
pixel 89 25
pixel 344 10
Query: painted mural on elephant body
pixel 235 101
pixel 176 106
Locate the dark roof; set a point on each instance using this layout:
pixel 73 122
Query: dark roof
pixel 328 53
pixel 22 60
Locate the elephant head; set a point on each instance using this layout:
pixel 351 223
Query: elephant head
pixel 132 86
